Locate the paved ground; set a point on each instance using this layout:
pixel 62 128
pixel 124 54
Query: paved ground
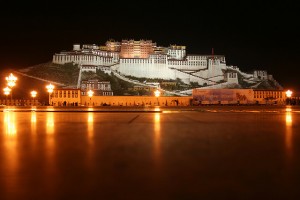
pixel 202 153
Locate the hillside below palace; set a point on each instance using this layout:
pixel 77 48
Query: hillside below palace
pixel 144 59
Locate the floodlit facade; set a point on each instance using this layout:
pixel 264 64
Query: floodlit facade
pixel 136 49
pixel 100 88
pixel 269 96
pixel 74 97
pixel 65 97
pixel 238 96
pixel 144 59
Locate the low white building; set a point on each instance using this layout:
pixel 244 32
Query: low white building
pixel 260 74
pixel 231 77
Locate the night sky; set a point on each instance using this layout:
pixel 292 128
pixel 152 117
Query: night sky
pixel 251 34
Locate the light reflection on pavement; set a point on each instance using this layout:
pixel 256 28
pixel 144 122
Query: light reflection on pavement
pixel 150 153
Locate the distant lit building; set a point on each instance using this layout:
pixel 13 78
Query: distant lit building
pixel 88 54
pixel 238 96
pixel 145 88
pixel 260 74
pixel 177 52
pixel 168 83
pixel 65 97
pixel 136 49
pixel 100 88
pixel 269 96
pixel 231 77
pixel 105 69
pixel 144 59
pixel 112 45
pixel 89 68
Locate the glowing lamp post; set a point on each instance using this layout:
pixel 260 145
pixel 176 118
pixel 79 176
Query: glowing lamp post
pixel 288 95
pixel 33 95
pixel 11 82
pixel 90 94
pixel 157 94
pixel 50 89
pixel 7 91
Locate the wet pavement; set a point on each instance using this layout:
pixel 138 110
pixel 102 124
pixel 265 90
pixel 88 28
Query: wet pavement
pixel 210 152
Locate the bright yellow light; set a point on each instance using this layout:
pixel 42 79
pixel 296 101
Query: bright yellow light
pixel 11 80
pixel 50 88
pixel 11 84
pixel 90 118
pixel 11 77
pixel 90 127
pixel 157 93
pixel 157 140
pixel 288 119
pixel 10 123
pixel 156 109
pixel 33 93
pixel 33 117
pixel 50 123
pixel 90 93
pixel 288 93
pixel 7 91
pixel 50 109
pixel 157 118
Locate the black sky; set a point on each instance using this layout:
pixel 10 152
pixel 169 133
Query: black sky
pixel 251 34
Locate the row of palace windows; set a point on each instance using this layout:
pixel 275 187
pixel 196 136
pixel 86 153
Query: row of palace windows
pixel 96 86
pixel 187 63
pixel 197 57
pixel 66 91
pixel 136 61
pixel 77 58
pixel 176 53
pixel 265 94
pixel 66 95
pixel 139 48
pixel 163 61
pixel 232 75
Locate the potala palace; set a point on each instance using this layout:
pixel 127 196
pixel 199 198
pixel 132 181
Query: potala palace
pixel 144 59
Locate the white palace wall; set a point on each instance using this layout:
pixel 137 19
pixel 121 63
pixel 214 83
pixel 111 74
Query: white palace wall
pixel 83 59
pixel 147 70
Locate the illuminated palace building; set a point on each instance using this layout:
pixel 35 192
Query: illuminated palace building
pixel 144 59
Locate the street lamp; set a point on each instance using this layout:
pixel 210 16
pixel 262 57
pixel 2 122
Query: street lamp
pixel 90 94
pixel 50 88
pixel 157 94
pixel 6 92
pixel 33 95
pixel 288 94
pixel 11 82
